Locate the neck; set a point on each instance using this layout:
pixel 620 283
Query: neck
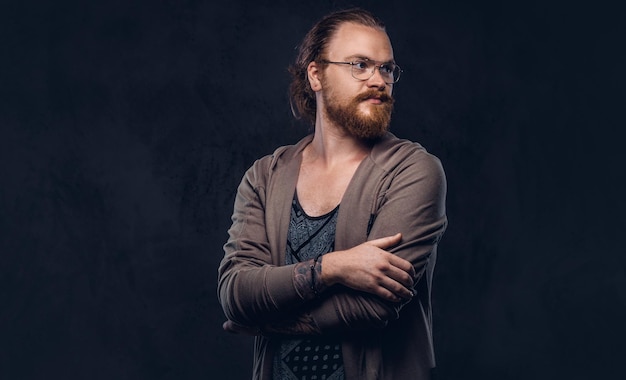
pixel 331 145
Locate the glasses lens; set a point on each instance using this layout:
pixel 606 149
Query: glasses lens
pixel 364 69
pixel 388 72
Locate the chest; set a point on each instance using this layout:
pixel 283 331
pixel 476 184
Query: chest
pixel 320 191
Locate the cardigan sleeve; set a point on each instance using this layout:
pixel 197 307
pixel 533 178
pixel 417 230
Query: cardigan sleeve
pixel 251 290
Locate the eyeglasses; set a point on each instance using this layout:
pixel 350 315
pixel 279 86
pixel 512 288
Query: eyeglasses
pixel 363 69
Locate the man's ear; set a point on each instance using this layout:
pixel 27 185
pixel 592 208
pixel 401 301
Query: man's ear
pixel 314 73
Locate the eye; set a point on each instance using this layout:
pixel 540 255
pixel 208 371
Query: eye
pixel 387 68
pixel 360 65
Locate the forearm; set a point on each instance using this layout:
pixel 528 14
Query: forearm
pixel 308 283
pixel 253 295
pixel 356 299
pixel 364 312
pixel 264 295
pixel 344 309
pixel 307 279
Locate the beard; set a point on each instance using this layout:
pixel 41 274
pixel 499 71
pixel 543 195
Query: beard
pixel 370 126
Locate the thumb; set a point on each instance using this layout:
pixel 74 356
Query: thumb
pixel 387 241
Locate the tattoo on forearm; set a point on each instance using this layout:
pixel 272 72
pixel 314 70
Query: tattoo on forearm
pixel 319 285
pixel 307 279
pixel 302 280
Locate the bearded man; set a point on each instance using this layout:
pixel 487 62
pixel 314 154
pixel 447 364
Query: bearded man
pixel 333 243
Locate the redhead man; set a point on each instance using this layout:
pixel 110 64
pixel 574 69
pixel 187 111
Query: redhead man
pixel 333 243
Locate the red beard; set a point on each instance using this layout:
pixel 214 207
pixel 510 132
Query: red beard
pixel 365 127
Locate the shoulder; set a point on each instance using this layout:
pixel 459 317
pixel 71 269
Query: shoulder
pixel 392 154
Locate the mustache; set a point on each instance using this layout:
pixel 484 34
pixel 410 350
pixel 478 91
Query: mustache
pixel 382 96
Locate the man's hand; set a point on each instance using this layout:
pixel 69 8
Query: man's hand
pixel 368 267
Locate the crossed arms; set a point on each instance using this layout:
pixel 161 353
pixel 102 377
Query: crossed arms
pixel 364 286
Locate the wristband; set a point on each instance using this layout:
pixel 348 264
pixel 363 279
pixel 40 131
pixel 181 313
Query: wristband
pixel 313 287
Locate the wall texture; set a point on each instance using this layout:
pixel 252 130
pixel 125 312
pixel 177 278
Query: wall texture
pixel 126 127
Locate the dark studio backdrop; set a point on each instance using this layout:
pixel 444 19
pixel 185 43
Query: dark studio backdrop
pixel 127 125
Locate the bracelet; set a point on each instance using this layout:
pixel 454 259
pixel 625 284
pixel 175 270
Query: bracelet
pixel 313 287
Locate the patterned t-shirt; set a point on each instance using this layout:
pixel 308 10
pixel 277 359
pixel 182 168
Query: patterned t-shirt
pixel 313 357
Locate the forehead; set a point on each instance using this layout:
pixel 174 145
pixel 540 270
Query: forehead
pixel 356 40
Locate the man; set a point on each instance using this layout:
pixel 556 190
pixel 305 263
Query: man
pixel 330 256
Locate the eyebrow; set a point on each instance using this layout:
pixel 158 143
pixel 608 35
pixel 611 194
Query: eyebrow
pixel 356 56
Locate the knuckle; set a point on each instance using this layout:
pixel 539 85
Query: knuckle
pixel 383 266
pixel 378 278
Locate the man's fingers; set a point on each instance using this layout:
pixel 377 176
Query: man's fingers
pixel 399 283
pixel 396 261
pixel 393 291
pixel 388 295
pixel 387 241
pixel 371 268
pixel 400 276
pixel 402 264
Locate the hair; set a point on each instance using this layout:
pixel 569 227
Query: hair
pixel 313 46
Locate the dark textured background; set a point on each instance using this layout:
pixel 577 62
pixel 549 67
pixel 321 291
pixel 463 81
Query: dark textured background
pixel 126 126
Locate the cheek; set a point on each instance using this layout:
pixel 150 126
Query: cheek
pixel 346 87
pixel 340 95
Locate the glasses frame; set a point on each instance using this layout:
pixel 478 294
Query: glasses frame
pixel 377 65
